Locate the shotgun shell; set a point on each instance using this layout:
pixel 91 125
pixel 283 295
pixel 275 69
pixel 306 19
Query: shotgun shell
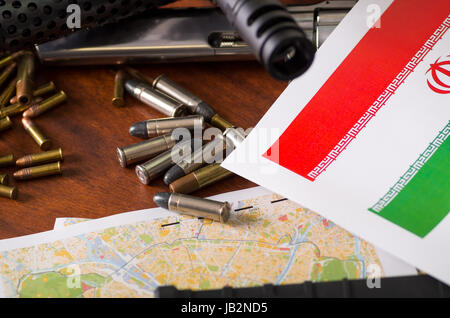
pixel 45 89
pixel 25 78
pixel 5 123
pixel 51 102
pixel 40 158
pixel 39 171
pixel 4 179
pixel 7 73
pixel 7 161
pixel 8 192
pixel 119 89
pixel 43 142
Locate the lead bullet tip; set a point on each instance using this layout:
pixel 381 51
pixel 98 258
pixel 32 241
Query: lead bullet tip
pixel 161 199
pixel 139 130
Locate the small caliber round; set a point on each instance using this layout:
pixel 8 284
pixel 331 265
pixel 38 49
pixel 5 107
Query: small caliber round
pixel 47 88
pixel 144 150
pixel 25 78
pixel 45 105
pixel 7 73
pixel 119 82
pixel 16 109
pixel 162 126
pixel 40 158
pixel 10 58
pixel 221 123
pixel 38 171
pixel 4 179
pixel 7 161
pixel 5 123
pixel 8 192
pixel 43 142
pixel 194 206
pixel 7 93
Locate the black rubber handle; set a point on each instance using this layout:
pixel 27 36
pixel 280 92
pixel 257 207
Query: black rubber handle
pixel 27 22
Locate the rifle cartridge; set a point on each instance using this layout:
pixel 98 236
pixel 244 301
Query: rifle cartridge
pixel 39 171
pixel 40 158
pixel 43 142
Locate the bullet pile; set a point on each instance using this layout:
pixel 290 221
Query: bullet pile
pixel 20 96
pixel 196 166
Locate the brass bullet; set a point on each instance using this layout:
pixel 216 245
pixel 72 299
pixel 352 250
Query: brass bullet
pixel 40 158
pixel 8 192
pixel 17 109
pixel 221 123
pixel 7 161
pixel 47 104
pixel 31 128
pixel 119 89
pixel 10 59
pixel 5 123
pixel 8 93
pixel 200 179
pixel 45 89
pixel 7 73
pixel 39 171
pixel 25 78
pixel 4 179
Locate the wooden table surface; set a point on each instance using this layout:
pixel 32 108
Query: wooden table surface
pixel 89 129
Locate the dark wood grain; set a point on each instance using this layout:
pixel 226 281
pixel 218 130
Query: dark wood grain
pixel 89 129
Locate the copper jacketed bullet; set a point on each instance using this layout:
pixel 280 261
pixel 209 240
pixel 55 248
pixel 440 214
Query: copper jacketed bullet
pixel 43 142
pixel 40 158
pixel 46 105
pixel 3 179
pixel 25 78
pixel 17 109
pixel 119 89
pixel 39 171
pixel 10 59
pixel 45 89
pixel 7 161
pixel 8 192
pixel 5 123
pixel 7 73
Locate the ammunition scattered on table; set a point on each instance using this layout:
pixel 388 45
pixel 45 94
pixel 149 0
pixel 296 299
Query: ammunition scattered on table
pixel 5 123
pixel 8 93
pixel 7 161
pixel 8 192
pixel 10 59
pixel 45 105
pixel 144 150
pixel 40 158
pixel 45 89
pixel 205 155
pixel 43 142
pixel 195 104
pixel 193 206
pixel 4 179
pixel 17 109
pixel 119 89
pixel 7 73
pixel 155 127
pixel 155 99
pixel 38 171
pixel 156 166
pixel 25 78
pixel 200 178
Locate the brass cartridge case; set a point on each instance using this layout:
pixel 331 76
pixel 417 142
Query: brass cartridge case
pixel 45 105
pixel 25 78
pixel 4 179
pixel 8 192
pixel 7 93
pixel 10 59
pixel 39 171
pixel 45 89
pixel 160 126
pixel 5 123
pixel 119 89
pixel 221 123
pixel 235 136
pixel 40 158
pixel 200 178
pixel 198 207
pixel 7 161
pixel 7 73
pixel 17 109
pixel 144 150
pixel 43 142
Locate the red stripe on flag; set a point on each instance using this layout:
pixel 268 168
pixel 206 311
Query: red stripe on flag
pixel 356 85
